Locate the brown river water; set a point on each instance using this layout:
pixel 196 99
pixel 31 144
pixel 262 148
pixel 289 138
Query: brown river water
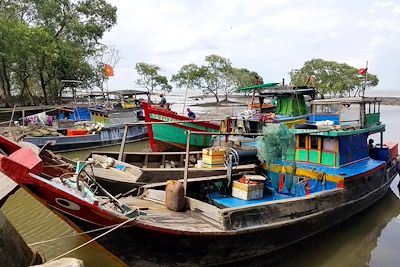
pixel 371 238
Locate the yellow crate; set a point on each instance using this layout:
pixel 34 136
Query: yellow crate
pixel 213 152
pixel 247 191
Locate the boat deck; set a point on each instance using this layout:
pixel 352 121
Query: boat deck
pixel 347 170
pixel 232 202
pixel 160 216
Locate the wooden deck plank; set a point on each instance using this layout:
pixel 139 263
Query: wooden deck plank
pixel 160 216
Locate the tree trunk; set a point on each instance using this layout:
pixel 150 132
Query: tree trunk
pixel 216 97
pixel 6 85
pixel 43 85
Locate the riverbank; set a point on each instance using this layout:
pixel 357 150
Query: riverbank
pixel 385 100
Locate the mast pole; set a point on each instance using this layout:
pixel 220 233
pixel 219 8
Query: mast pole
pixel 365 79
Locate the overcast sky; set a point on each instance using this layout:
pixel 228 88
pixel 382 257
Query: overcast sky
pixel 268 36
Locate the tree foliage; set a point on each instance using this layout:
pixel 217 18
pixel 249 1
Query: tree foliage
pixel 332 78
pixel 43 42
pixel 217 76
pixel 150 78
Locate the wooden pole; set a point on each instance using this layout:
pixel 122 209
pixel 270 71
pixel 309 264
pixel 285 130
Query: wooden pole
pixel 185 174
pixel 184 103
pixel 365 81
pixel 23 117
pixel 12 118
pixel 122 148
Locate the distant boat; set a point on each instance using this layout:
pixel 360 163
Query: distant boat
pixel 172 136
pixel 68 138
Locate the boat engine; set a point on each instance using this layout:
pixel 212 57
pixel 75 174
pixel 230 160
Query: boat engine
pixel 236 156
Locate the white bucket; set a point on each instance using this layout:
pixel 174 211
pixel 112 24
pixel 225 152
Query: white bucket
pixel 200 164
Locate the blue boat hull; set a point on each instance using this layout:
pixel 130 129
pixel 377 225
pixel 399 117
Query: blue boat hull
pixel 108 136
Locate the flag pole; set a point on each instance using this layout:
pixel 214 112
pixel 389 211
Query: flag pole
pixel 365 79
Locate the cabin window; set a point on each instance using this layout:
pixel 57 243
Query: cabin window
pixel 302 141
pixel 329 144
pixel 314 142
pixel 327 109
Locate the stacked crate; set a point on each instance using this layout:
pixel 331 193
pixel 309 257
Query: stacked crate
pixel 213 157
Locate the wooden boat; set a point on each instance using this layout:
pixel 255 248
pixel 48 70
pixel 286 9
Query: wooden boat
pixel 290 103
pixel 171 136
pixel 155 167
pixel 333 176
pixel 112 119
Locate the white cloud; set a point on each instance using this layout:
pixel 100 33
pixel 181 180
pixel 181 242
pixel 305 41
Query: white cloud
pixel 270 37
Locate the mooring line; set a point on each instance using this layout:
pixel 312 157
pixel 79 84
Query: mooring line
pixel 68 236
pixel 93 239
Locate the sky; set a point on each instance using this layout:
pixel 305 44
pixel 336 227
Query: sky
pixel 270 37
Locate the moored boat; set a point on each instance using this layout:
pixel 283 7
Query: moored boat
pixel 312 179
pixel 165 135
pixel 104 126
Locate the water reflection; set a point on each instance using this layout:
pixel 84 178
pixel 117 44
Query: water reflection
pixel 370 238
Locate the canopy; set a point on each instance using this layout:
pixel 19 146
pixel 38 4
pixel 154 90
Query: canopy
pixel 258 86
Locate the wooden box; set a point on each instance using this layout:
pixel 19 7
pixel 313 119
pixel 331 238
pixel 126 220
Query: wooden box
pixel 247 191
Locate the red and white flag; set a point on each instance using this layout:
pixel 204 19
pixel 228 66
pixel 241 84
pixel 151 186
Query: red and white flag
pixel 362 71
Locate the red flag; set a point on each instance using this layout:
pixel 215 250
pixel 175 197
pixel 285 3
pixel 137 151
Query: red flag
pixel 362 71
pixel 108 70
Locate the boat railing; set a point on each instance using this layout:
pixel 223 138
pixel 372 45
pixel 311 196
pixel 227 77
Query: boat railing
pixel 189 135
pixel 127 125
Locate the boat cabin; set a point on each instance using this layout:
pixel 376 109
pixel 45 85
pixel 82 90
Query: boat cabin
pixel 126 108
pixel 352 111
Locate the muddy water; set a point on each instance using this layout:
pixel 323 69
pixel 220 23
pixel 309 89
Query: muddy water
pixel 370 238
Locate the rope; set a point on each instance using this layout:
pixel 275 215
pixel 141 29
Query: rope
pixel 68 236
pixel 94 239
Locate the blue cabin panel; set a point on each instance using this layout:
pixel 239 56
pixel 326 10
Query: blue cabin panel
pixel 81 114
pixel 324 117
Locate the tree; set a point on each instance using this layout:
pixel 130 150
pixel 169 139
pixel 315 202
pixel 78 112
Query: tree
pixel 215 77
pixel 242 78
pixel 150 79
pixel 332 78
pixel 45 42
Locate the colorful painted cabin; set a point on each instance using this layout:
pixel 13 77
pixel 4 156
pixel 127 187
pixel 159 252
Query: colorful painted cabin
pixel 337 152
pixel 291 105
pixel 352 111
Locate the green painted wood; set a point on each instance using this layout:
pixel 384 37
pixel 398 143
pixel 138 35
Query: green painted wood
pixel 328 158
pixel 334 133
pixel 373 118
pixel 301 155
pixel 171 134
pixel 313 156
pixel 258 86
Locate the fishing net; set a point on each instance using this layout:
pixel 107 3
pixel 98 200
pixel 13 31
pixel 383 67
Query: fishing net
pixel 276 143
pixel 277 146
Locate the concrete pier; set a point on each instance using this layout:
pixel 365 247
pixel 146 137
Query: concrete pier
pixel 64 262
pixel 7 188
pixel 13 249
